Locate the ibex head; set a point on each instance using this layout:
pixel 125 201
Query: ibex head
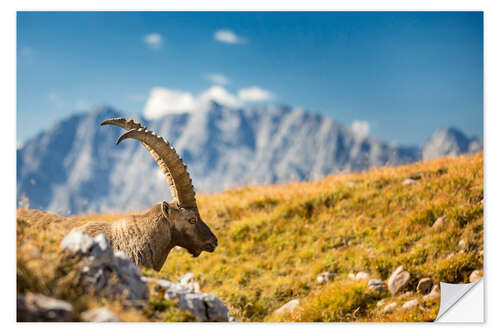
pixel 187 229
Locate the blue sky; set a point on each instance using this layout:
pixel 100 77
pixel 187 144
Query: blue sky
pixel 400 75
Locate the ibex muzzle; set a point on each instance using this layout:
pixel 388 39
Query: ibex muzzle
pixel 148 238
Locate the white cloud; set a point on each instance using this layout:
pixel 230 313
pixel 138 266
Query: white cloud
pixel 228 36
pixel 254 94
pixel 154 40
pixel 217 78
pixel 163 100
pixel 361 129
pixel 219 95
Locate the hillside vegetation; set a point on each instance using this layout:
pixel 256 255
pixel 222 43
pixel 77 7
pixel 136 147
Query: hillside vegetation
pixel 275 240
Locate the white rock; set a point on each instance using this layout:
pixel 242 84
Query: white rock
pixel 475 276
pixel 205 307
pixel 288 307
pixel 77 242
pixel 105 272
pixel 324 277
pixel 390 307
pixel 464 245
pixel 100 315
pixel 377 285
pixel 409 181
pixel 440 221
pixel 410 304
pixel 188 281
pixel 398 280
pixel 362 276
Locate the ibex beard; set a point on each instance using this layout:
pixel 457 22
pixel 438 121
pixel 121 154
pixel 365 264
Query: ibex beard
pixel 147 238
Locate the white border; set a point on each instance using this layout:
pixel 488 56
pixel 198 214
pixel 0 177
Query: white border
pixel 8 142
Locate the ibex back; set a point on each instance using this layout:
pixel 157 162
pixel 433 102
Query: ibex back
pixel 147 238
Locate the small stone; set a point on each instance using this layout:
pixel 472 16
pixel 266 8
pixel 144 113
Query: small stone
pixel 475 276
pixel 451 255
pixel 362 276
pixel 424 286
pixel 464 245
pixel 398 280
pixel 433 294
pixel 324 277
pixel 100 315
pixel 288 307
pixel 38 307
pixel 409 181
pixel 77 242
pixel 381 303
pixel 351 276
pixel 390 307
pixel 410 304
pixel 439 222
pixel 376 285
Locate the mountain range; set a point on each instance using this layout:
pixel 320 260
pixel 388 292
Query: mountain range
pixel 75 166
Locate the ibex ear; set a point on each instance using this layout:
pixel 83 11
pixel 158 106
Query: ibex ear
pixel 165 209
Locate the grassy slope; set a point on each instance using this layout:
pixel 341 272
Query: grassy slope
pixel 275 240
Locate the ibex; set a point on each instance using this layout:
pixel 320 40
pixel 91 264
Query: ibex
pixel 147 238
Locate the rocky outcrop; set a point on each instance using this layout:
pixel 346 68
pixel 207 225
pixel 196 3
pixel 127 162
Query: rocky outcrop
pixel 105 272
pixel 37 307
pixel 205 307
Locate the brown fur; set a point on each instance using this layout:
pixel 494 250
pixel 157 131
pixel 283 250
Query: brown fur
pixel 147 238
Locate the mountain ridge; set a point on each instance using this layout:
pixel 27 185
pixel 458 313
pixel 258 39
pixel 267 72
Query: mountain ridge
pixel 75 167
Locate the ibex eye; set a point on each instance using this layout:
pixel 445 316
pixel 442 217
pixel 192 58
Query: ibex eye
pixel 192 220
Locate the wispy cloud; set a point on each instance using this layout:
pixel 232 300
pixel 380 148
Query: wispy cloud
pixel 228 36
pixel 55 100
pixel 164 101
pixel 254 94
pixel 361 129
pixel 217 78
pixel 154 40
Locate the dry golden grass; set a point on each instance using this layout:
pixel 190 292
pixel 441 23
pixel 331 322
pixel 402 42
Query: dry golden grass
pixel 275 240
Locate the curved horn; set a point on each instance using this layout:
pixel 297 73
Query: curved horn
pixel 168 160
